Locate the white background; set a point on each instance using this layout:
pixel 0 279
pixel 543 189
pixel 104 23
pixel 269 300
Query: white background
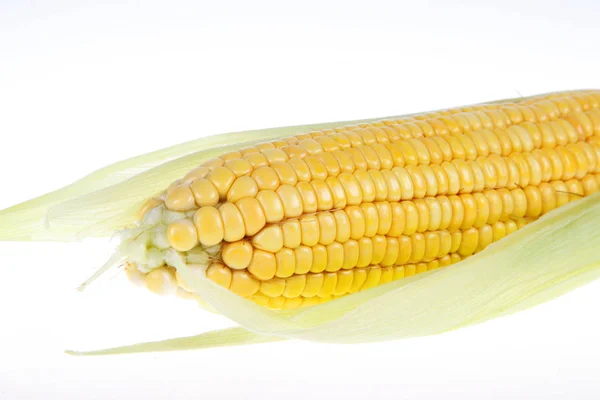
pixel 84 84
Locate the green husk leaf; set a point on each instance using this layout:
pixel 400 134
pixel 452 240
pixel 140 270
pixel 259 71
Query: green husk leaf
pixel 107 199
pixel 26 221
pixel 220 338
pixel 542 261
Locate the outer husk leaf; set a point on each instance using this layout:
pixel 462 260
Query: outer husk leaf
pixel 544 260
pixel 220 338
pixel 107 200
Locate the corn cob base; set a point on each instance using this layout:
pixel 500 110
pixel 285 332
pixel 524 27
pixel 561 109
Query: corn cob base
pixel 304 220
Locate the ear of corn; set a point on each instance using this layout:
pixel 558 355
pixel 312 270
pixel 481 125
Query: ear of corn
pixel 366 214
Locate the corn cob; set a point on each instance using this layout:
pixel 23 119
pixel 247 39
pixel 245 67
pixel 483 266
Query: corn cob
pixel 315 216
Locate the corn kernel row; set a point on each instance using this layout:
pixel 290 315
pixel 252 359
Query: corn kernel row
pixel 428 214
pixel 318 288
pixel 450 121
pixel 358 253
pixel 232 222
pixel 207 186
pixel 584 123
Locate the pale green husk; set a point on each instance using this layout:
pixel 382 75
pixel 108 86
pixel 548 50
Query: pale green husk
pixel 220 338
pixel 540 262
pixel 108 199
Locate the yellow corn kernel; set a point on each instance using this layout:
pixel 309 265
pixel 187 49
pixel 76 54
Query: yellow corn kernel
pixel 292 233
pixel 237 255
pixel 309 230
pixel 244 284
pixel 328 285
pixel 286 263
pixel 263 265
pixel 233 222
pixel 313 285
pixel 291 200
pixel 335 257
pixel 182 235
pixel 244 186
pixel 252 214
pixel 219 274
pixel 271 205
pixel 196 173
pixel 373 278
pixel 304 259
pixel 285 173
pixel 180 198
pixel 209 226
pixel 205 193
pixel 161 281
pixel 269 239
pixel 272 287
pixel 294 286
pixel 308 196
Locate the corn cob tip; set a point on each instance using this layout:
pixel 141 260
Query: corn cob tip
pixel 149 250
